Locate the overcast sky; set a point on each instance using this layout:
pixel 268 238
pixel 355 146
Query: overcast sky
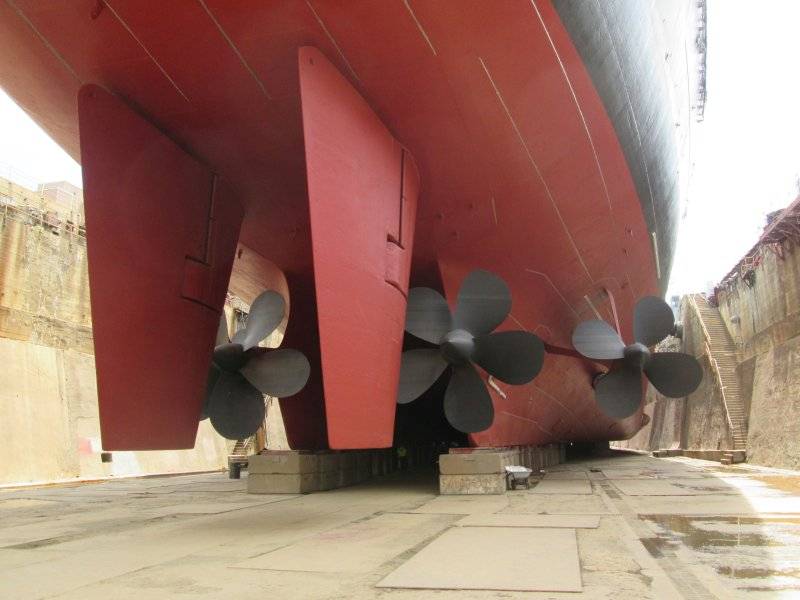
pixel 27 155
pixel 746 152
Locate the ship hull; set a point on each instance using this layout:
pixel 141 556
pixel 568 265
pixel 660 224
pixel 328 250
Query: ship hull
pixel 544 134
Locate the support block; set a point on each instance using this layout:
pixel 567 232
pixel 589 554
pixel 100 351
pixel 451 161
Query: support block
pixel 482 470
pixel 477 463
pixel 328 480
pixel 328 461
pixel 283 462
pixel 488 483
pixel 298 472
pixel 282 483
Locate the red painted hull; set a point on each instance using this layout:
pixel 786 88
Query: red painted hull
pixel 521 169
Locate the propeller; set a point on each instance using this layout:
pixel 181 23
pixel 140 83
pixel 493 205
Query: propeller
pixel 242 372
pixel 465 339
pixel 619 392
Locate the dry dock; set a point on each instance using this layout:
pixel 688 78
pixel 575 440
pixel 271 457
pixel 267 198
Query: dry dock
pixel 625 526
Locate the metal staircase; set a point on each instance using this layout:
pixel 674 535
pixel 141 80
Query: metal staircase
pixel 243 447
pixel 721 352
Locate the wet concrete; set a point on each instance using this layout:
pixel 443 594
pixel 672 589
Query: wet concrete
pixel 752 554
pixel 706 532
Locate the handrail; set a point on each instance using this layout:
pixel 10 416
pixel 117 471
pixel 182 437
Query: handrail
pixel 699 318
pixel 712 362
pixel 715 368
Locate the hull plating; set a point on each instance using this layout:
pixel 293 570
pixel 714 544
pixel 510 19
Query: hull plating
pixel 515 121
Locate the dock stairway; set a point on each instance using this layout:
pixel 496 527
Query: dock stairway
pixel 238 458
pixel 721 352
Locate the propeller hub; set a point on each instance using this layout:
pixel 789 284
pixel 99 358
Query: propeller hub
pixel 230 357
pixel 457 346
pixel 637 355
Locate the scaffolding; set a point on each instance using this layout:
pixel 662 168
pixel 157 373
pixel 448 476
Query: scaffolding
pixel 783 227
pixel 21 204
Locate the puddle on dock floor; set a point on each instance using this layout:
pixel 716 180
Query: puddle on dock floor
pixel 756 553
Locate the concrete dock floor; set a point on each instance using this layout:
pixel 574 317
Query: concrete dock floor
pixel 625 526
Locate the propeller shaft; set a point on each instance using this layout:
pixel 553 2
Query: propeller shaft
pixel 458 346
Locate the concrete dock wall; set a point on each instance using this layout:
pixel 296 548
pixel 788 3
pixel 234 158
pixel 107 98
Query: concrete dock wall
pixel 762 312
pixel 760 307
pixel 774 427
